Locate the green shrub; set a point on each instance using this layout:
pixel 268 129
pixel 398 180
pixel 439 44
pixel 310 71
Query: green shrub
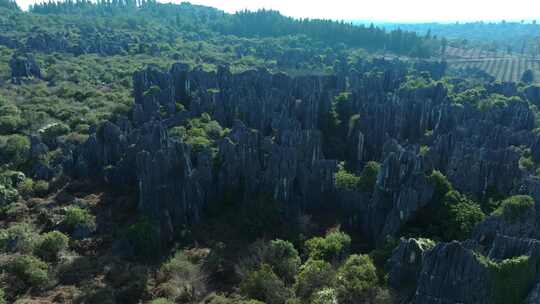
pixel 2 296
pixel 233 299
pixel 368 177
pixel 424 150
pixel 200 133
pixel 264 285
pixel 161 301
pixel 76 216
pixel 144 235
pixel 441 184
pixel 50 133
pixel 10 124
pixel 314 275
pixel 16 150
pixel 325 296
pixel 8 195
pixel 527 163
pixel 463 217
pixel 51 245
pixel 514 207
pixel 41 188
pixel 497 101
pixel 510 279
pixel 20 238
pixel 346 180
pixel 283 258
pixel 181 279
pixel 356 279
pixel 152 91
pixel 26 187
pixel 332 248
pixel 31 270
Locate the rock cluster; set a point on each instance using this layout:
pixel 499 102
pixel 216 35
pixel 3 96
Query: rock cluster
pixel 276 147
pixel 23 66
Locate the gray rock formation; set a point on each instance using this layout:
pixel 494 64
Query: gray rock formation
pixel 401 190
pixel 452 273
pixel 405 264
pixel 23 66
pixel 276 147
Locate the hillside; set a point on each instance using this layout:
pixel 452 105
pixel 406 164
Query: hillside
pixel 159 153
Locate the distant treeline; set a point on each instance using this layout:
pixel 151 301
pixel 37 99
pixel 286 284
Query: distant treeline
pixel 262 23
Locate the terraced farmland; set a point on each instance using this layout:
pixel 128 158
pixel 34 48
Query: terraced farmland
pixel 503 69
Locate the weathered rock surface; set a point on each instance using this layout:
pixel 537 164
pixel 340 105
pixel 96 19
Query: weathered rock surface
pixel 402 189
pixel 276 147
pixel 451 273
pixel 23 66
pixel 405 264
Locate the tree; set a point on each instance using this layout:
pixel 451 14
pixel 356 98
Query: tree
pixel 332 248
pixel 314 275
pixel 283 258
pixel 356 280
pixel 264 285
pixel 16 150
pixel 52 243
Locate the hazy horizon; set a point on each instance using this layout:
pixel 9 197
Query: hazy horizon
pixel 412 11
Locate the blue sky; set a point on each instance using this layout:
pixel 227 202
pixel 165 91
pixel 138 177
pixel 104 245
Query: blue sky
pixel 384 10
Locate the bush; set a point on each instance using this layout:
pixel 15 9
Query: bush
pixel 26 187
pixel 441 184
pixel 356 280
pixel 264 285
pixel 76 216
pixel 180 279
pixel 283 258
pixel 368 177
pixel 8 195
pixel 325 296
pixel 314 275
pixel 51 245
pixel 19 238
pixel 333 247
pixel 511 279
pixel 10 124
pixel 144 236
pixel 50 133
pixel 346 180
pixel 526 163
pixel 514 207
pixel 161 301
pixel 2 296
pixel 448 216
pixel 234 299
pixel 41 188
pixel 16 150
pixel 463 217
pixel 31 270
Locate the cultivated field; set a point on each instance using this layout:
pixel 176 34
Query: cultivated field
pixel 501 65
pixel 503 69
